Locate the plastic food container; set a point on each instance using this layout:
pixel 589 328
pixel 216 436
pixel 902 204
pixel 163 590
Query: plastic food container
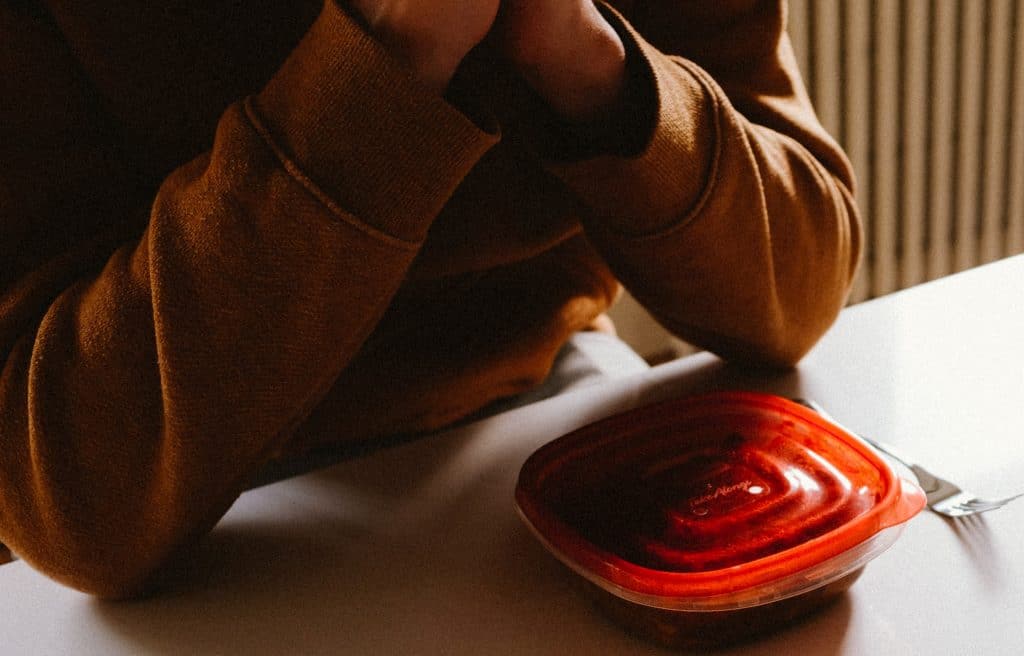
pixel 709 519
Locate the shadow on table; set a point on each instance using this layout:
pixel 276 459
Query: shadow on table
pixel 276 590
pixel 979 549
pixel 287 573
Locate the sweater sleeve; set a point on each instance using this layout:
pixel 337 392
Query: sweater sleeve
pixel 734 222
pixel 151 363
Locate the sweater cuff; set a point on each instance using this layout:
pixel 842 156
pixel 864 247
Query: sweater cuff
pixel 352 121
pixel 659 187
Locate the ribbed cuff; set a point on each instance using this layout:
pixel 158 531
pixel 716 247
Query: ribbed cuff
pixel 353 121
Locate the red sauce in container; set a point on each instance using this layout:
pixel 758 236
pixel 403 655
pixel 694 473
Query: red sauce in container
pixel 703 520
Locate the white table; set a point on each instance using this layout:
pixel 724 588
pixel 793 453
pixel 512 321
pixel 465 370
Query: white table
pixel 417 549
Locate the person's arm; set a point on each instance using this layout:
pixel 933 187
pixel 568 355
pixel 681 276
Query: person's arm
pixel 155 351
pixel 711 188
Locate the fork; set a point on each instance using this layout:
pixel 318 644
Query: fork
pixel 944 497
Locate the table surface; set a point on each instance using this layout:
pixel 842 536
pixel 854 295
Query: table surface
pixel 417 549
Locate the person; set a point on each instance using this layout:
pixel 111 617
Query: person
pixel 234 233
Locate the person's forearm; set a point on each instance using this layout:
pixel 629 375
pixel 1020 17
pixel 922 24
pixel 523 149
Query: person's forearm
pixel 734 224
pixel 146 380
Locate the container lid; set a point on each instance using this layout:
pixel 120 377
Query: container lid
pixel 722 500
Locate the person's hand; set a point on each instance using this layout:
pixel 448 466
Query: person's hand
pixel 432 36
pixel 567 51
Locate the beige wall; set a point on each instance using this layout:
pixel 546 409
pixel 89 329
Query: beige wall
pixel 638 329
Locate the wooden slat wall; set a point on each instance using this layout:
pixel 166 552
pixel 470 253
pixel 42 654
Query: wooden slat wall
pixel 942 80
pixel 1014 216
pixel 859 118
pixel 927 97
pixel 915 112
pixel 994 193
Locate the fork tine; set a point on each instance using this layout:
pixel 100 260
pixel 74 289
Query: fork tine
pixel 984 509
pixel 978 503
pixel 975 507
pixel 991 502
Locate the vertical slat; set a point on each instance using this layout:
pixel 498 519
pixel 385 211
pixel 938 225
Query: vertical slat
pixel 915 22
pixel 797 28
pixel 997 97
pixel 885 199
pixel 827 85
pixel 941 135
pixel 857 122
pixel 972 46
pixel 1015 173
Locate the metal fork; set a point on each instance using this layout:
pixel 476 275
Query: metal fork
pixel 944 497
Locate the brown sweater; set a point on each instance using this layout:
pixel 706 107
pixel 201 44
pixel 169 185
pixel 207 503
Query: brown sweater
pixel 231 231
